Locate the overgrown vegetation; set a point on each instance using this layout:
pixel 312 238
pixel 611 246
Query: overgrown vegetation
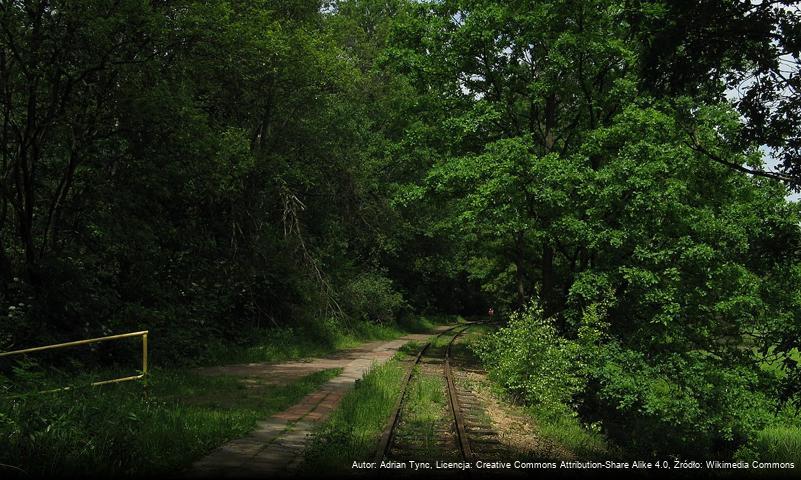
pixel 569 432
pixel 423 413
pixel 644 408
pixel 531 360
pixel 130 429
pixel 536 368
pixel 352 431
pixel 569 176
pixel 210 169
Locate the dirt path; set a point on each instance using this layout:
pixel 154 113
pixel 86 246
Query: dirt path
pixel 276 445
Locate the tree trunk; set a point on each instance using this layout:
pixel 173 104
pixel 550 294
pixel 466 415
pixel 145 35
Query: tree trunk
pixel 550 123
pixel 519 274
pixel 25 205
pixel 548 279
pixel 5 265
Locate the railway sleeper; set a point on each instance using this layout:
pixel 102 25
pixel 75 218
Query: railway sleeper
pixel 484 441
pixel 418 438
pixel 480 429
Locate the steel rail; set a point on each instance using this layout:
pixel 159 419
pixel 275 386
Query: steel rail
pixel 388 435
pixel 456 408
pixel 389 431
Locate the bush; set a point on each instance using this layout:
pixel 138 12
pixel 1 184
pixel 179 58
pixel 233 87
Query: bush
pixel 664 403
pixel 691 404
pixel 372 297
pixel 687 403
pixel 778 442
pixel 530 360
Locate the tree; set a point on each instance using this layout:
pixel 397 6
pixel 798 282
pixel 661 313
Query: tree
pixel 703 47
pixel 532 82
pixel 565 179
pixel 58 104
pixel 194 167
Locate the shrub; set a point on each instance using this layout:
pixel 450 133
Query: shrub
pixel 530 360
pixel 674 404
pixel 778 442
pixel 657 403
pixel 372 297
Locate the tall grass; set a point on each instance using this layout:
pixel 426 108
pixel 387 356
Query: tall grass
pixel 779 444
pixel 566 432
pixel 352 431
pixel 126 429
pixel 425 408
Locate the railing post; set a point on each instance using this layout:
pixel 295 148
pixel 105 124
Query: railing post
pixel 144 353
pixel 144 366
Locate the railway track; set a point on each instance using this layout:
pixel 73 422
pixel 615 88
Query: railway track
pixel 466 433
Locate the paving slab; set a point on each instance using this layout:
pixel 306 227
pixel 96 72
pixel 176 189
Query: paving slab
pixel 288 372
pixel 276 446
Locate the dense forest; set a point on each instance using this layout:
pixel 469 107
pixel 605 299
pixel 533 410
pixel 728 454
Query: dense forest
pixel 612 175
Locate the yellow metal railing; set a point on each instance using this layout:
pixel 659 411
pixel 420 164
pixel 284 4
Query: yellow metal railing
pixel 142 334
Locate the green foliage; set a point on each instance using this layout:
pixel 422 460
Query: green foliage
pixel 529 363
pixel 567 431
pixel 371 297
pixel 660 268
pixel 690 404
pixel 531 360
pixel 779 444
pixel 201 169
pixel 314 339
pixel 353 429
pixel 209 169
pixel 129 429
pixel 774 444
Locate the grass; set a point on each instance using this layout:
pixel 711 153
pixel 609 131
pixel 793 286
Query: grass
pixel 125 429
pixel 410 348
pixel 774 444
pixel 567 431
pixel 424 409
pixel 779 444
pixel 426 323
pixel 281 344
pixel 558 426
pixel 352 431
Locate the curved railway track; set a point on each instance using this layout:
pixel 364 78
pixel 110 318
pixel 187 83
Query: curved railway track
pixel 468 433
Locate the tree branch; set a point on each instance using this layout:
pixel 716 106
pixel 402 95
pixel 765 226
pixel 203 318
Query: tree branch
pixel 697 147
